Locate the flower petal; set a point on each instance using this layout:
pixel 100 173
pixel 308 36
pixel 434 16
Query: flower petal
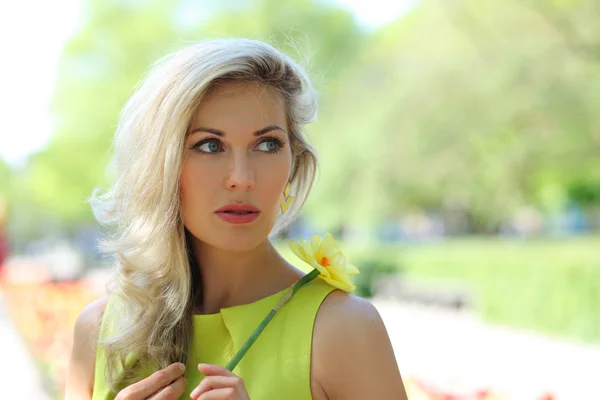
pixel 324 271
pixel 298 250
pixel 339 259
pixel 351 269
pixel 340 285
pixel 315 242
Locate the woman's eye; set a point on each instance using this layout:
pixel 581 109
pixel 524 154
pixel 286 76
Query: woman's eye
pixel 209 146
pixel 270 145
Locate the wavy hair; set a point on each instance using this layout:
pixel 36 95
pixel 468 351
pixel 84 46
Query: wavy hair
pixel 155 278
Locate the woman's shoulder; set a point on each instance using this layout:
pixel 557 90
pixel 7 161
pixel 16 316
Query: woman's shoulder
pixel 343 322
pixel 80 376
pixel 345 312
pixel 93 312
pixel 349 339
pixel 87 327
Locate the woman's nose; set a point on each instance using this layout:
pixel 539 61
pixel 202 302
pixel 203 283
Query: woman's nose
pixel 240 174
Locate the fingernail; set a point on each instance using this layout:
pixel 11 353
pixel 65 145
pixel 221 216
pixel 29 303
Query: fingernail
pixel 182 367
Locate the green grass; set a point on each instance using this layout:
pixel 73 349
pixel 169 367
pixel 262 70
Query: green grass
pixel 549 285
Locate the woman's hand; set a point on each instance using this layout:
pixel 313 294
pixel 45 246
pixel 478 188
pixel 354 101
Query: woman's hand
pixel 166 384
pixel 219 384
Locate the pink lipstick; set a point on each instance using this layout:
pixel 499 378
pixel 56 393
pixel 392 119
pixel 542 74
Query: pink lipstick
pixel 237 213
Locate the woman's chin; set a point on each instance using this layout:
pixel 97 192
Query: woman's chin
pixel 237 242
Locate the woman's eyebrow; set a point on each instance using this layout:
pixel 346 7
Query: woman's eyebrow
pixel 221 133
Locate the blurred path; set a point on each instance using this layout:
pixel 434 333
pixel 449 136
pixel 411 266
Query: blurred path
pixel 19 379
pixel 457 350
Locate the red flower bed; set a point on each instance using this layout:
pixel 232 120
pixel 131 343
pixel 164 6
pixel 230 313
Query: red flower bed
pixel 44 313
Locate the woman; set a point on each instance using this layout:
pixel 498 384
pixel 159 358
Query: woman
pixel 210 161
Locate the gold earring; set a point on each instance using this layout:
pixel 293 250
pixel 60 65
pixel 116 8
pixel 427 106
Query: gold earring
pixel 287 198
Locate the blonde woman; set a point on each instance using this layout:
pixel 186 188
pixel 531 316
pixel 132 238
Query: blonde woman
pixel 210 161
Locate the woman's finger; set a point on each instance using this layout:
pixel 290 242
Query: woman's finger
pixel 153 384
pixel 215 382
pixel 171 392
pixel 212 369
pixel 220 394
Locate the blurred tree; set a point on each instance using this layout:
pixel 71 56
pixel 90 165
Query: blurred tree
pixel 5 174
pixel 462 106
pixel 575 21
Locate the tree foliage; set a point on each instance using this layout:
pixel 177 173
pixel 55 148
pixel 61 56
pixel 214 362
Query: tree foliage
pixel 465 106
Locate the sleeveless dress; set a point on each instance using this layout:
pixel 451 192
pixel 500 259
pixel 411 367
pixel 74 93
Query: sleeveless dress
pixel 277 366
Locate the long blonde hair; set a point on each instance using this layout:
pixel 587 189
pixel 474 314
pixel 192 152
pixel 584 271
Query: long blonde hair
pixel 152 291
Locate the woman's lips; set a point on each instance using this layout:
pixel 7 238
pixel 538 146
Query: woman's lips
pixel 237 218
pixel 238 213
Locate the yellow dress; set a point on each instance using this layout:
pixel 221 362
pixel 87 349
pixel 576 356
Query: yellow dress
pixel 277 366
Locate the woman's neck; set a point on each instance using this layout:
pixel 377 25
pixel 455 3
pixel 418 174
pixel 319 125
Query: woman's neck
pixel 234 278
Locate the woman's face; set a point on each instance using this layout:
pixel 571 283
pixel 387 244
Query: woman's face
pixel 237 153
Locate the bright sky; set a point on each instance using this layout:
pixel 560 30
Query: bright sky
pixel 32 34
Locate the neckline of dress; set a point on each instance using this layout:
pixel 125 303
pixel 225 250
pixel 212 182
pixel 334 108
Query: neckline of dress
pixel 240 306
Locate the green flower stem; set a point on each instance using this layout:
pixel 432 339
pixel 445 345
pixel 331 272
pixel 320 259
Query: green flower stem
pixel 244 349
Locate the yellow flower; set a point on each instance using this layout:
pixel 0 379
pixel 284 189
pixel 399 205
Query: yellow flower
pixel 326 256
